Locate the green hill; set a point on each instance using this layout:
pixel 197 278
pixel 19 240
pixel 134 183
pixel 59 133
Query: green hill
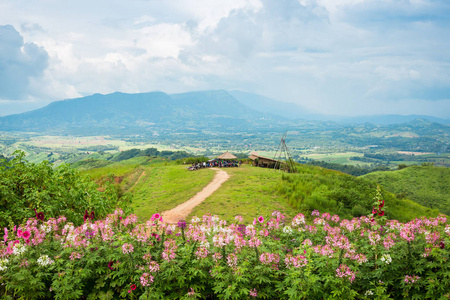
pixel 426 185
pixel 156 185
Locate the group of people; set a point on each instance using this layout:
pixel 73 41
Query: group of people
pixel 215 163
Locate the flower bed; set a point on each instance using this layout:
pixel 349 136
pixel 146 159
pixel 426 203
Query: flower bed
pixel 362 258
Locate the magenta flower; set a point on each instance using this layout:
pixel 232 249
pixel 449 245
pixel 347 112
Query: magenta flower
pixel 110 265
pixel 156 217
pixel 92 216
pixel 261 219
pixel 26 235
pixel 133 287
pixel 182 224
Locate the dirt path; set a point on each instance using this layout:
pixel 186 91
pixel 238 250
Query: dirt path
pixel 184 209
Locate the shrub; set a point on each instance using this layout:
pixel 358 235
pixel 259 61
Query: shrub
pixel 27 188
pixel 362 258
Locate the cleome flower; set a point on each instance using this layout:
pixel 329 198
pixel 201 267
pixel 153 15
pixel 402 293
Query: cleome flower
pixel 44 260
pixel 386 258
pixel 3 264
pixel 19 249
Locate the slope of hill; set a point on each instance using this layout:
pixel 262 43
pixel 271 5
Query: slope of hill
pixel 162 186
pixel 426 185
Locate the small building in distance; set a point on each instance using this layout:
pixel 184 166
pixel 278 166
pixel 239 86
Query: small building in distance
pixel 261 161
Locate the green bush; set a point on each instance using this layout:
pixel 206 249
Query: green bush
pixel 26 187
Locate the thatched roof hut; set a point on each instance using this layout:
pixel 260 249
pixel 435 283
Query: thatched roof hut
pixel 226 155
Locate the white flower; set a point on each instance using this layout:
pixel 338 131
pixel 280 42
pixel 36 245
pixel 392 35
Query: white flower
pixel 46 228
pixel 195 220
pixel 386 258
pixel 44 260
pixel 19 249
pixel 204 244
pixel 369 293
pixel 215 219
pixel 287 229
pixel 447 229
pixel 3 263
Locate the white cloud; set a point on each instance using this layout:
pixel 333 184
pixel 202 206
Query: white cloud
pixel 342 55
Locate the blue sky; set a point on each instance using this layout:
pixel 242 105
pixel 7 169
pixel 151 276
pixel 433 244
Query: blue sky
pixel 342 57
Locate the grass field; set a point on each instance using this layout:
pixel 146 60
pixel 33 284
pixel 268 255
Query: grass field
pixel 427 185
pixel 164 187
pixel 249 192
pixel 156 185
pixel 337 158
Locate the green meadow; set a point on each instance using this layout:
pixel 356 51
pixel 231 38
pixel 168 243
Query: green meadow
pixel 426 185
pixel 156 185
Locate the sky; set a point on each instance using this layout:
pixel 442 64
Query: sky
pixel 339 57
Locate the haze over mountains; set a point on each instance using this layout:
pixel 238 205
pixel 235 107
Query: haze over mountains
pixel 204 109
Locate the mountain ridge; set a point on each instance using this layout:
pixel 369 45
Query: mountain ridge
pixel 218 109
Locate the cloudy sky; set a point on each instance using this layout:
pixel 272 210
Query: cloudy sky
pixel 342 57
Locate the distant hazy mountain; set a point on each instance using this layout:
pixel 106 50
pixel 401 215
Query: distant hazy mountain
pixel 388 119
pixel 294 111
pixel 158 112
pixel 121 111
pixel 270 106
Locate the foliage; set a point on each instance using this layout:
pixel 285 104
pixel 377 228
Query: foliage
pixel 426 185
pixel 26 187
pixel 317 188
pixel 330 258
pixel 348 169
pixel 172 155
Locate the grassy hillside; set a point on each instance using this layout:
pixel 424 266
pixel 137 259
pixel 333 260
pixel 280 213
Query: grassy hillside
pixel 249 192
pixel 426 185
pixel 156 185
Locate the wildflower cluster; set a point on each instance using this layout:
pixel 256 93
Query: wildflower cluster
pixel 273 258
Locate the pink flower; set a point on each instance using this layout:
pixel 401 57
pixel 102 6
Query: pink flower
pixel 127 248
pixel 261 219
pixel 133 287
pixel 191 292
pixel 146 279
pixel 345 271
pixel 5 237
pixel 253 293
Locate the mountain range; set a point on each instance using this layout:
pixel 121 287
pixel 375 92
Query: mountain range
pixel 223 117
pixel 234 109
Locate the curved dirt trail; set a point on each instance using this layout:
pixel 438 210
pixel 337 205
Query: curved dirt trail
pixel 184 209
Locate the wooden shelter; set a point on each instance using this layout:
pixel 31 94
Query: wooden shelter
pixel 261 161
pixel 227 156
